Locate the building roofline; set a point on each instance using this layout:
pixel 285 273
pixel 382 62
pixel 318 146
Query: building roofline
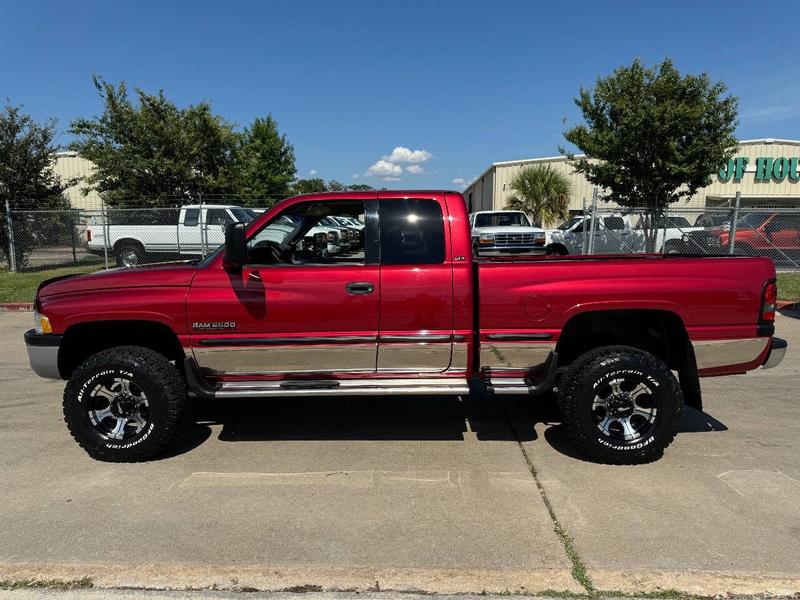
pixel 560 157
pixel 770 141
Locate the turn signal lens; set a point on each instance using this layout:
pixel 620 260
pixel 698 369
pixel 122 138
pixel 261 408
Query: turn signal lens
pixel 769 302
pixel 41 324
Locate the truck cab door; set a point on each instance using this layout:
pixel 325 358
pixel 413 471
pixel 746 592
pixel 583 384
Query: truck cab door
pixel 287 313
pixel 189 231
pixel 416 279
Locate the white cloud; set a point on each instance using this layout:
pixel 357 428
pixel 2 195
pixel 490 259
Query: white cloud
pixel 460 182
pixel 384 168
pixel 772 112
pixel 401 154
pixel 391 179
pixel 356 176
pixel 312 172
pixel 414 169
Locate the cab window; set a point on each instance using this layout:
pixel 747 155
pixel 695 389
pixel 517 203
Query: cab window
pixel 310 234
pixel 411 232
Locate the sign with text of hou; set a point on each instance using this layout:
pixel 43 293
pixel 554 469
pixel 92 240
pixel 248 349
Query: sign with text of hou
pixel 766 169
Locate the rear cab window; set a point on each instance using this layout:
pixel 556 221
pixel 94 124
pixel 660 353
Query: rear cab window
pixel 411 232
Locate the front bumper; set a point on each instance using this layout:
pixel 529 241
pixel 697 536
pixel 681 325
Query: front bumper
pixel 776 353
pixel 43 353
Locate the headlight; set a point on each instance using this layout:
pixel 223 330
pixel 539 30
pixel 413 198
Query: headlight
pixel 539 238
pixel 41 324
pixel 487 237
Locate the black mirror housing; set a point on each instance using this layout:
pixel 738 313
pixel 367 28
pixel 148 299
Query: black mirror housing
pixel 235 246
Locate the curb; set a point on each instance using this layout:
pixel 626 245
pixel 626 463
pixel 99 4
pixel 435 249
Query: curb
pixel 16 306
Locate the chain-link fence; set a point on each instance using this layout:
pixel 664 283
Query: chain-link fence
pixel 134 233
pixel 772 231
pixel 138 233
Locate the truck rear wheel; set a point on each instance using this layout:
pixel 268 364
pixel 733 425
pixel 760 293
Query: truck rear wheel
pixel 124 404
pixel 620 405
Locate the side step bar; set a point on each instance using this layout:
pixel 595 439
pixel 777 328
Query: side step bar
pixel 200 387
pixel 524 385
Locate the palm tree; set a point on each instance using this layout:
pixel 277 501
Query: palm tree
pixel 542 192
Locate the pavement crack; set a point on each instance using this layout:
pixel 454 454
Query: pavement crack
pixel 579 571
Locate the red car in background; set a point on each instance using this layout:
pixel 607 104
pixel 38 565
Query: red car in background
pixel 776 235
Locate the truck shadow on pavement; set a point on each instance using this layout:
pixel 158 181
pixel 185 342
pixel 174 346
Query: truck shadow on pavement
pixel 398 418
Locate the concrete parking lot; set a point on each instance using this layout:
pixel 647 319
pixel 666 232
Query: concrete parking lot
pixel 447 495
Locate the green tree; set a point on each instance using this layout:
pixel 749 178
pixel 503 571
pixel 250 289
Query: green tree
pixel 152 153
pixel 263 161
pixel 652 136
pixel 309 186
pixel 28 183
pixel 542 192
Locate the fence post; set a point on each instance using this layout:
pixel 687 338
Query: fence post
pixel 104 224
pixel 732 236
pixel 585 238
pixel 592 221
pixel 74 224
pixel 664 229
pixel 12 250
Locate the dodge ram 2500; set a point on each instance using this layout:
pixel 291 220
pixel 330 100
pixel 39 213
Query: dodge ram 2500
pixel 623 340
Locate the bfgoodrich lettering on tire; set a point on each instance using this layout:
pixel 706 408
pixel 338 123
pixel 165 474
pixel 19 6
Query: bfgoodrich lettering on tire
pixel 123 404
pixel 620 405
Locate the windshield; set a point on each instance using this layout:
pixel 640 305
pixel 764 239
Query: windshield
pixel 243 215
pixel 570 223
pixel 502 219
pixel 752 220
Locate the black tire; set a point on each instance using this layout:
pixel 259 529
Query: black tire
pixel 598 416
pixel 129 254
pixel 556 250
pixel 155 392
pixel 674 247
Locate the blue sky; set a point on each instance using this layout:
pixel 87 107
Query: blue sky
pixel 458 84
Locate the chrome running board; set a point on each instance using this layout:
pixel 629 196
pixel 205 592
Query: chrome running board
pixel 340 387
pixel 509 385
pixel 200 387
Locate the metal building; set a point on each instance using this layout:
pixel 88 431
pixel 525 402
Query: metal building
pixel 70 166
pixel 765 171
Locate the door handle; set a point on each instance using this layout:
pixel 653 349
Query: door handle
pixel 254 275
pixel 359 287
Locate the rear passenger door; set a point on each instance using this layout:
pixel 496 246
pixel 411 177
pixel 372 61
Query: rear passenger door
pixel 416 283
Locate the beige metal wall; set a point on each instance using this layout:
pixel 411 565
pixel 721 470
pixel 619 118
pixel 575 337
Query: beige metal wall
pixel 69 165
pixel 785 192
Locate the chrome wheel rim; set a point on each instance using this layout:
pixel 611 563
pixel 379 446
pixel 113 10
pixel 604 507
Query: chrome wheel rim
pixel 129 258
pixel 118 409
pixel 624 409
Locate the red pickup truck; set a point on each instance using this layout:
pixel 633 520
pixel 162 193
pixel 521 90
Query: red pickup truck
pixel 622 340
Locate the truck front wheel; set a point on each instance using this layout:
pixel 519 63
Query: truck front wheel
pixel 130 254
pixel 620 405
pixel 124 404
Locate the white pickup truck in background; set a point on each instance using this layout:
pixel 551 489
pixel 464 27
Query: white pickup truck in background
pixel 193 230
pixel 619 234
pixel 498 232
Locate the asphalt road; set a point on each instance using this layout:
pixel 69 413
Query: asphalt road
pixel 447 495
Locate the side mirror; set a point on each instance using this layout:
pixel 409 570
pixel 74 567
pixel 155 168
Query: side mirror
pixel 235 246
